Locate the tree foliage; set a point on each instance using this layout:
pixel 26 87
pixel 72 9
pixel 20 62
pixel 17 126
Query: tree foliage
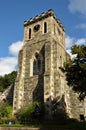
pixel 75 71
pixel 7 80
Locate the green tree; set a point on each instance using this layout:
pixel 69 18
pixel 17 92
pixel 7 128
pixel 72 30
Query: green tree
pixel 75 70
pixel 7 80
pixel 1 83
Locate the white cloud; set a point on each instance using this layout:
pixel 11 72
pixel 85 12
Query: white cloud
pixel 77 6
pixel 8 64
pixel 81 26
pixel 15 47
pixel 81 41
pixel 69 41
pixel 69 52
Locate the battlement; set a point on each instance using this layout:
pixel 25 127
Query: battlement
pixel 43 15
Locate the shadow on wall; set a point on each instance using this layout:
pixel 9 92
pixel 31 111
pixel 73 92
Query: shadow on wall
pixel 38 93
pixel 10 95
pixel 54 109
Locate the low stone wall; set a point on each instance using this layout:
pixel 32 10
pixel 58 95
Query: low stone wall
pixel 16 128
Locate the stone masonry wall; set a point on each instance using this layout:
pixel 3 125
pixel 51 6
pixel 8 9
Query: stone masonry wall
pixel 49 83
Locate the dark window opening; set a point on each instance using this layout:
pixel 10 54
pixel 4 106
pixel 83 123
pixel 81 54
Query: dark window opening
pixel 82 118
pixel 29 33
pixel 45 27
pixel 36 55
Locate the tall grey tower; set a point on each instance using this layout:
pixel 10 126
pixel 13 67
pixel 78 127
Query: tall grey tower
pixel 39 77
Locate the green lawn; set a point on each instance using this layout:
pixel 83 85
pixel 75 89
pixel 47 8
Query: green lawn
pixel 72 125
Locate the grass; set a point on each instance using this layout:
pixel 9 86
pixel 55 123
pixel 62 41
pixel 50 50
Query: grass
pixel 66 125
pixel 51 124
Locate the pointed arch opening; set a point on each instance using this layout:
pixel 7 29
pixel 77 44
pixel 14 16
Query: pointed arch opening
pixel 37 64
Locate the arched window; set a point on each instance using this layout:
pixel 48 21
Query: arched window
pixel 37 64
pixel 29 33
pixel 45 27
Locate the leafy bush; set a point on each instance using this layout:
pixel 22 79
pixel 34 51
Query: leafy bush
pixel 28 114
pixel 6 113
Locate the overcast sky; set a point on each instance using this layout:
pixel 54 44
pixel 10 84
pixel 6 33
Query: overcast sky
pixel 13 13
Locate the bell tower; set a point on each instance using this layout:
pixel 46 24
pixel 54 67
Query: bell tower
pixel 39 77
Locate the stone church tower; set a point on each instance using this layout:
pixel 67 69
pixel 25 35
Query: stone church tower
pixel 39 77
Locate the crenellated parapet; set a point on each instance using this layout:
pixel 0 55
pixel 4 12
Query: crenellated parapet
pixel 44 15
